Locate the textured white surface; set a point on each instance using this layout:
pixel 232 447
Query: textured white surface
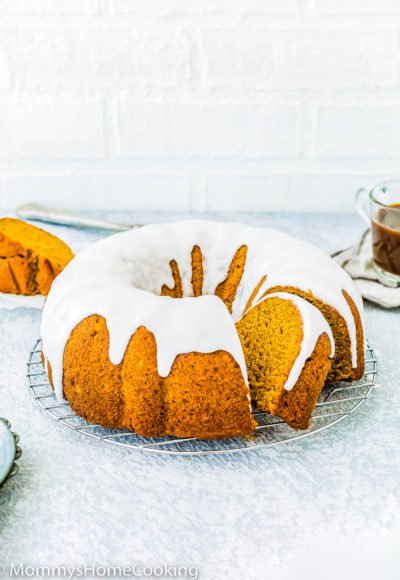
pixel 329 502
pixel 283 104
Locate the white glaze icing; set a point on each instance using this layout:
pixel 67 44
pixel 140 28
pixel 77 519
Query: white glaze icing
pixel 314 324
pixel 121 278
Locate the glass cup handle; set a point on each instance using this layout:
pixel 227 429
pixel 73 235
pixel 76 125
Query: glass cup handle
pixel 361 205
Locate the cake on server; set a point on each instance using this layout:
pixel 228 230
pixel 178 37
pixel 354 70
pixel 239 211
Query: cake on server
pixel 30 258
pixel 172 329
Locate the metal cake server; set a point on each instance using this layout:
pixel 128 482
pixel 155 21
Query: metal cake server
pixel 42 213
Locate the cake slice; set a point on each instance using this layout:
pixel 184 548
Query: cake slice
pixel 288 347
pixel 30 258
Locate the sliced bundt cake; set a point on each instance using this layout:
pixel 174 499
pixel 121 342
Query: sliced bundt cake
pixel 170 329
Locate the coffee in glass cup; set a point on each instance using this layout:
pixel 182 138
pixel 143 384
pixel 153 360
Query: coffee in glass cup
pixel 380 207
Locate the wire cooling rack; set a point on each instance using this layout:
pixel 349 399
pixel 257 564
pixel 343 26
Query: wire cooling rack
pixel 336 402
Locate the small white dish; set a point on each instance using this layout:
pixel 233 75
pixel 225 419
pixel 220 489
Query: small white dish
pixel 9 451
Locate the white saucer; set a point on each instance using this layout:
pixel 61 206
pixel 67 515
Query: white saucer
pixel 8 451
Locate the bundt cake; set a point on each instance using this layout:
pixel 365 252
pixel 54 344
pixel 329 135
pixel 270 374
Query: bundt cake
pixel 30 258
pixel 172 329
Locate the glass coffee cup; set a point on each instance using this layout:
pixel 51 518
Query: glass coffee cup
pixel 380 207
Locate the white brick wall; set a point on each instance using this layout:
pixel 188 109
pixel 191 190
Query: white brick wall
pixel 222 130
pixel 88 59
pixel 198 105
pixel 51 130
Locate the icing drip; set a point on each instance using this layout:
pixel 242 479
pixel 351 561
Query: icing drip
pixel 121 278
pixel 314 324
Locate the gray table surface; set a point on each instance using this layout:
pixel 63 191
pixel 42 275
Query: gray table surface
pixel 330 500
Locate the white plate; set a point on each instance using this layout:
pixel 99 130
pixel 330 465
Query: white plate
pixel 12 301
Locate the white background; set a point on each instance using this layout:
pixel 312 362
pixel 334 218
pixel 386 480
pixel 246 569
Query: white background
pixel 198 104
